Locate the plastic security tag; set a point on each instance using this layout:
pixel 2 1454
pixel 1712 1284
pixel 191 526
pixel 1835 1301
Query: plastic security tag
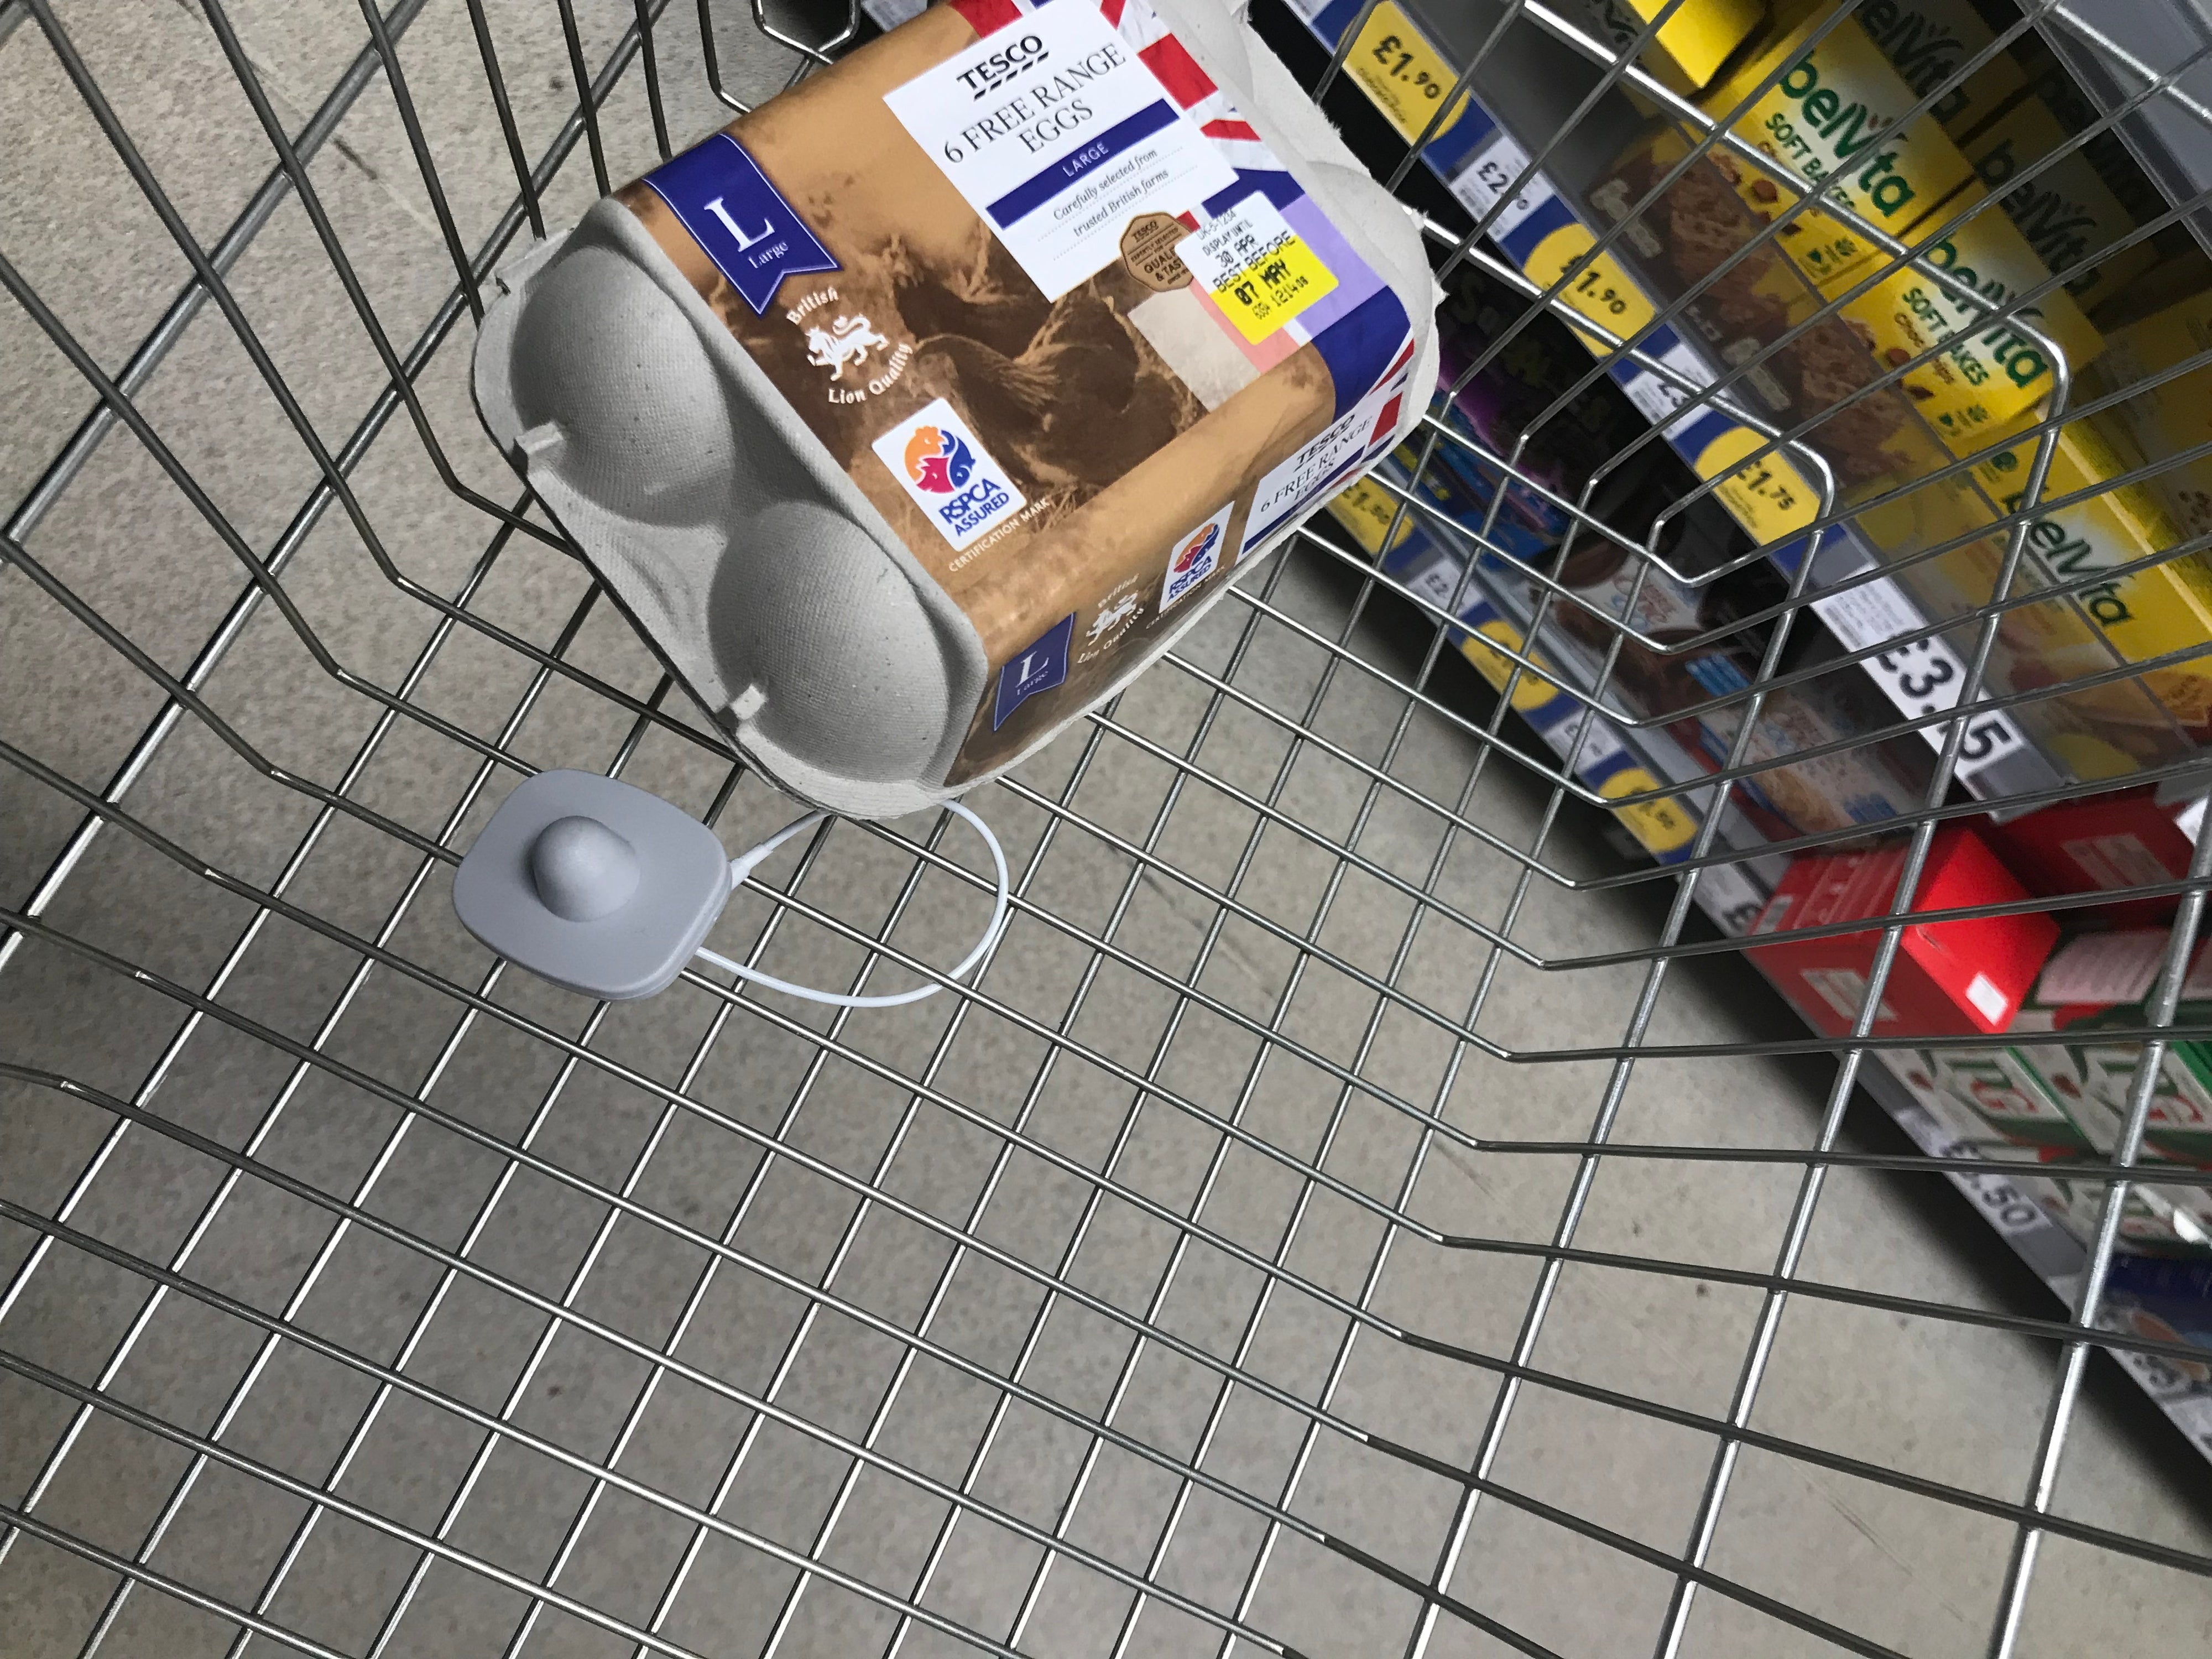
pixel 1057 134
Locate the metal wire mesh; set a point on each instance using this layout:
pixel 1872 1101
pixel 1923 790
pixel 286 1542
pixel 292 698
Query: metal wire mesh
pixel 1356 1209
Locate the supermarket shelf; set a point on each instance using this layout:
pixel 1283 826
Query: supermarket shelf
pixel 1478 158
pixel 1605 757
pixel 2118 51
pixel 2051 1252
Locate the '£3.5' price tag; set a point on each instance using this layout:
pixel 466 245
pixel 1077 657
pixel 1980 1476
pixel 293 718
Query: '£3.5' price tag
pixel 1924 678
pixel 1258 270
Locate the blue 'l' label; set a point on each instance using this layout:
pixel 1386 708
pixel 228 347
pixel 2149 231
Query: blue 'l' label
pixel 1038 668
pixel 754 236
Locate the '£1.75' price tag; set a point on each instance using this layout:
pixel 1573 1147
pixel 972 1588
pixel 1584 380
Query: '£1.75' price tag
pixel 1258 270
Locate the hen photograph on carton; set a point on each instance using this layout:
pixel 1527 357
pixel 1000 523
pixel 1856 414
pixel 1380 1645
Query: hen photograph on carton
pixel 921 409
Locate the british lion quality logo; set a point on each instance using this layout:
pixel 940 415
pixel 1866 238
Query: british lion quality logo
pixel 948 474
pixel 844 344
pixel 849 346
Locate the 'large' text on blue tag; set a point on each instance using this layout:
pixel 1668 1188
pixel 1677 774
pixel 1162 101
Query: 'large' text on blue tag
pixel 751 234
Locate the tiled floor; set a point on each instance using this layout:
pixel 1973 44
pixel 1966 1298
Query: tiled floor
pixel 1168 1140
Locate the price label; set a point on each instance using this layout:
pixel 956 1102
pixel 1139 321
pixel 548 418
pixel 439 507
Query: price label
pixel 2007 1208
pixel 1587 740
pixel 1730 897
pixel 1532 690
pixel 1368 511
pixel 1601 290
pixel 1259 270
pixel 1768 495
pixel 1658 396
pixel 1438 582
pixel 1925 678
pixel 1405 77
pixel 1482 183
pixel 1662 826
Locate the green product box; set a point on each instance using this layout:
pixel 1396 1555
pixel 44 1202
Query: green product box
pixel 2009 1091
pixel 2102 982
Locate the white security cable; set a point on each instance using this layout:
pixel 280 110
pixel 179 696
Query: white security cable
pixel 745 863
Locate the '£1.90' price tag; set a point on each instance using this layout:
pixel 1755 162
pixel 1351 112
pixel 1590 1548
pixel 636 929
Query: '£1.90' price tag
pixel 1256 267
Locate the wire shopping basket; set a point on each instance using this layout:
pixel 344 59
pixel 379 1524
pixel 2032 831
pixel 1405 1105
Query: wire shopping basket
pixel 1459 1149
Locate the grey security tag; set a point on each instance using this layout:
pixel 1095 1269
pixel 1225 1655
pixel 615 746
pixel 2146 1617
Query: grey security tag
pixel 594 884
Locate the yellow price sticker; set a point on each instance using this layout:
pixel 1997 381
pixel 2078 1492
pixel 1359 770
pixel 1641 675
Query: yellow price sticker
pixel 1661 826
pixel 1406 78
pixel 1601 290
pixel 1366 510
pixel 1768 497
pixel 1533 690
pixel 1258 270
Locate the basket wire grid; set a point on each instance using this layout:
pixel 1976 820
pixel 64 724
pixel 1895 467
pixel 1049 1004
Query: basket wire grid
pixel 1354 1211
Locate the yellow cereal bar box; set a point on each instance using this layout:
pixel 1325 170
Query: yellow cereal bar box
pixel 1751 306
pixel 2169 420
pixel 1691 44
pixel 2069 215
pixel 2092 524
pixel 1927 42
pixel 1819 100
pixel 1993 370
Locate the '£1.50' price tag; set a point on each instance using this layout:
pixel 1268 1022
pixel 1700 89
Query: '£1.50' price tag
pixel 1258 270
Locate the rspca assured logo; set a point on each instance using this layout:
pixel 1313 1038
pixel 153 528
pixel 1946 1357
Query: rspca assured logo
pixel 950 475
pixel 1196 557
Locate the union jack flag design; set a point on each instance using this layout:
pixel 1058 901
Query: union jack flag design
pixel 1361 330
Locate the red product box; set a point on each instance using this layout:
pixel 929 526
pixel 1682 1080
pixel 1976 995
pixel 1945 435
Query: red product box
pixel 2114 842
pixel 1950 978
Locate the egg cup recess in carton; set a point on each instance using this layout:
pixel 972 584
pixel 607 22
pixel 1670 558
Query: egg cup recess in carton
pixel 917 411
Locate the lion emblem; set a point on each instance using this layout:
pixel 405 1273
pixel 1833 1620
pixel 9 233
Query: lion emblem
pixel 1113 616
pixel 846 343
